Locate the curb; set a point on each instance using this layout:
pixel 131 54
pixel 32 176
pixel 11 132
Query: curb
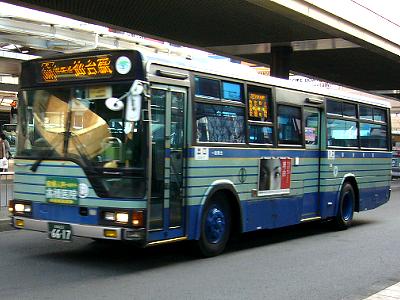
pixel 395 186
pixel 5 225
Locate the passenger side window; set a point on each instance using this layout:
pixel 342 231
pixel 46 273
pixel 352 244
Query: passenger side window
pixel 220 123
pixel 342 133
pixel 373 135
pixel 220 111
pixel 289 125
pixel 206 87
pixel 261 134
pixel 373 127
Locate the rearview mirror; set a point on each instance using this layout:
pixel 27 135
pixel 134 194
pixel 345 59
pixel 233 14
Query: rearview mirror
pixel 133 102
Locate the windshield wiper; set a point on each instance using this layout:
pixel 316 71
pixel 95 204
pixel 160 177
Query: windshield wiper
pixel 37 162
pixel 44 155
pixel 80 148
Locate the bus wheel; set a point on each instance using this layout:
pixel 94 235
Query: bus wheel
pixel 215 227
pixel 346 207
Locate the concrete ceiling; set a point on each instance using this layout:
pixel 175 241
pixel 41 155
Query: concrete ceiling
pixel 224 26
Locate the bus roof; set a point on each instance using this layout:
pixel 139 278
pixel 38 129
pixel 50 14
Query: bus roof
pixel 243 72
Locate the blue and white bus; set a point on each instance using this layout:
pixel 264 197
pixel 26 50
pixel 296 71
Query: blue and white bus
pixel 154 148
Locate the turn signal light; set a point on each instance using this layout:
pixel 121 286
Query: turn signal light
pixel 19 223
pixel 138 218
pixel 110 233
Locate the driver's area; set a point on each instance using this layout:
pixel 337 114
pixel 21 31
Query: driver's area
pixel 79 123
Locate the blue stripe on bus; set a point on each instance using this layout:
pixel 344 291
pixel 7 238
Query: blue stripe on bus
pixel 28 193
pixel 26 183
pixel 43 174
pixel 354 170
pixel 91 198
pixel 300 166
pixel 37 184
pixel 369 181
pixel 52 166
pixel 63 213
pixel 257 153
pixel 219 176
pixel 220 167
pixel 357 164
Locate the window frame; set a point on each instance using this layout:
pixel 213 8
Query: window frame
pixel 248 86
pixel 217 101
pixel 251 87
pixel 302 140
pixel 344 147
pixel 358 121
pixel 374 123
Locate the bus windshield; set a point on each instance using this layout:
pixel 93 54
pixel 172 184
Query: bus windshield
pixel 76 123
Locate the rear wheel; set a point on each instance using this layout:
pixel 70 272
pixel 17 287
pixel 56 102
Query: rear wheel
pixel 215 226
pixel 345 213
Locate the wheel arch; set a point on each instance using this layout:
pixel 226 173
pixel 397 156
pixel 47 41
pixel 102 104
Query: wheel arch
pixel 228 188
pixel 350 178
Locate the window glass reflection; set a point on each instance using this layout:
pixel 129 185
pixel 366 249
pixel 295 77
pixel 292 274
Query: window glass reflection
pixel 220 123
pixel 289 125
pixel 342 133
pixel 373 135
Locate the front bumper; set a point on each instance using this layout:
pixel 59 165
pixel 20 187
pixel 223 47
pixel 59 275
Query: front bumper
pixel 87 231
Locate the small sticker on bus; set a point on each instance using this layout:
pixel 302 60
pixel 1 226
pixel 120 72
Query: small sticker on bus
pixel 201 153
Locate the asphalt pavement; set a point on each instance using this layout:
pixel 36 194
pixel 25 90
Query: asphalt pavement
pixel 307 261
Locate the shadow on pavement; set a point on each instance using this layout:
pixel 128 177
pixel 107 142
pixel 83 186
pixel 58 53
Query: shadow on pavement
pixel 120 257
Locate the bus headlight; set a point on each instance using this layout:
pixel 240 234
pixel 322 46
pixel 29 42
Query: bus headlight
pixel 118 217
pixel 109 216
pixel 19 208
pixel 122 217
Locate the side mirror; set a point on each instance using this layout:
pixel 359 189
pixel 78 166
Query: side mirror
pixel 114 104
pixel 134 101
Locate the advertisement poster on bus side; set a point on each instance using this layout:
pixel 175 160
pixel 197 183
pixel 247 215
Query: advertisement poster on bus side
pixel 274 175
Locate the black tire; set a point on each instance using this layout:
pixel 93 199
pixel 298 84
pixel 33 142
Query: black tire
pixel 345 212
pixel 215 226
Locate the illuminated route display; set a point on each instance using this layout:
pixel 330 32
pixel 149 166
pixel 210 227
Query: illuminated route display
pixel 258 105
pixel 95 66
pixel 92 67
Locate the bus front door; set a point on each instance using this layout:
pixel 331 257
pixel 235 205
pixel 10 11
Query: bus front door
pixel 313 138
pixel 166 206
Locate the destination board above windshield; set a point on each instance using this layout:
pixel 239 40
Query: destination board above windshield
pixel 96 67
pixel 91 67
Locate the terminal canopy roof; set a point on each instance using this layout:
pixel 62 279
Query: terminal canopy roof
pixel 329 47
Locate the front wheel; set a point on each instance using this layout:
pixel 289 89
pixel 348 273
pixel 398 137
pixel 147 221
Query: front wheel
pixel 215 227
pixel 345 213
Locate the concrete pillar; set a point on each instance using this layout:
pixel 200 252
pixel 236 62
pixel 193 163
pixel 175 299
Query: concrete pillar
pixel 280 61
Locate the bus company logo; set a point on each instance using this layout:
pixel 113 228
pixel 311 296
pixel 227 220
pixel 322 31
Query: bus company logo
pixel 83 190
pixel 123 65
pixel 92 67
pixel 242 175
